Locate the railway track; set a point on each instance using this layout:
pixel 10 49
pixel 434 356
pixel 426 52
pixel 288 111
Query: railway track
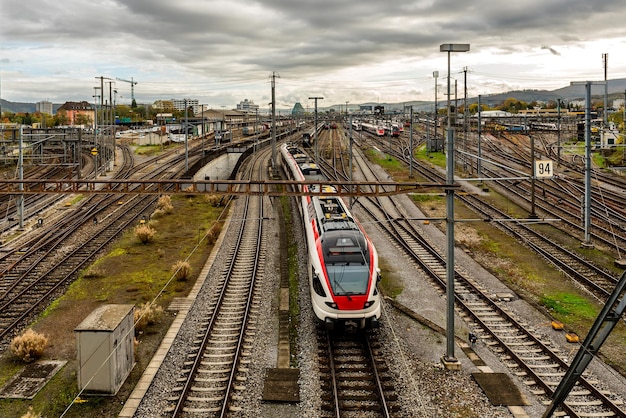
pixel 36 268
pixel 597 280
pixel 34 205
pixel 560 196
pixel 36 277
pixel 355 379
pixel 216 371
pixel 354 376
pixel 600 282
pixel 533 360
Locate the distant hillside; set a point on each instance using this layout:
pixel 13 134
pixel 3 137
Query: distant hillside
pixel 617 86
pixel 16 107
pixel 616 89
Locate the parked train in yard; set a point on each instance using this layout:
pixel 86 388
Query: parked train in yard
pixel 393 129
pixel 343 268
pixel 378 130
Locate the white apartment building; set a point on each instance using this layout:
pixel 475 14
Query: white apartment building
pixel 179 104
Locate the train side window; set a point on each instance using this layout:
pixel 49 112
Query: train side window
pixel 317 285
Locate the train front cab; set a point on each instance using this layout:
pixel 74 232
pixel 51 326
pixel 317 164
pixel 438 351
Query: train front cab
pixel 326 310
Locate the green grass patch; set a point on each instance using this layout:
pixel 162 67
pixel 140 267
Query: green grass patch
pixel 598 159
pixel 77 199
pixel 574 148
pixel 389 285
pixel 294 279
pixel 569 306
pixel 390 164
pixel 435 158
pixel 426 198
pixel 153 149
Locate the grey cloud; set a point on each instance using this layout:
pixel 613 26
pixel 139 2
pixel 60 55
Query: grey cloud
pixel 237 38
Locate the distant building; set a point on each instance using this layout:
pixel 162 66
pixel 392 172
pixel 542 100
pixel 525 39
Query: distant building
pixel 248 106
pixel 297 109
pixel 166 105
pixel 224 119
pixel 73 109
pixel 494 114
pixel 576 104
pixel 179 104
pixel 44 106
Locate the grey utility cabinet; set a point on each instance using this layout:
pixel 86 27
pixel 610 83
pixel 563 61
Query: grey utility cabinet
pixel 105 348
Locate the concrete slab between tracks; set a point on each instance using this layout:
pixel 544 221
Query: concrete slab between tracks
pixel 500 389
pixel 183 307
pixel 281 385
pixel 31 379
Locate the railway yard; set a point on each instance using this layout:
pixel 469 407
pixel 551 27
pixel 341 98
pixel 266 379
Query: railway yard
pixel 239 337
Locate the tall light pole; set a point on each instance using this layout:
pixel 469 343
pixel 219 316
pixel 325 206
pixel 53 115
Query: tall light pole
pixel 605 62
pixel 110 111
pixel 587 202
pixel 435 75
pixel 559 103
pixel 351 155
pixel 316 98
pixel 203 130
pixel 411 141
pixel 114 119
pixel 449 360
pixel 274 75
pixel 20 174
pixel 479 131
pixel 532 215
pixel 186 137
pixel 624 126
pixel 96 96
pixel 465 118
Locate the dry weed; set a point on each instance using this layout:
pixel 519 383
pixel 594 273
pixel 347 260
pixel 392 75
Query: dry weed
pixel 214 233
pixel 181 270
pixel 147 314
pixel 29 346
pixel 165 204
pixel 31 413
pixel 145 233
pixel 214 200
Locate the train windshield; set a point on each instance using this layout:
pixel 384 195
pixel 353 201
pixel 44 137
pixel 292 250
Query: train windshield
pixel 347 262
pixel 348 280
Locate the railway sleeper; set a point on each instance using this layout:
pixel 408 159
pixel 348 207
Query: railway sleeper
pixel 205 399
pixel 201 410
pixel 205 389
pixel 351 386
pixel 584 403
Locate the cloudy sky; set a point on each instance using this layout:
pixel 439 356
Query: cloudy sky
pixel 224 51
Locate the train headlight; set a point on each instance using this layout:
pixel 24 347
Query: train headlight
pixel 331 305
pixel 368 304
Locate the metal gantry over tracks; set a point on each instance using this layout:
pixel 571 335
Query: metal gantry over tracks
pixel 229 187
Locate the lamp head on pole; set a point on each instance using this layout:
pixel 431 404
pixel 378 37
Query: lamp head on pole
pixel 454 47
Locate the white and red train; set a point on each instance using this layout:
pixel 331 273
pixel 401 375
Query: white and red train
pixel 343 263
pixel 378 130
